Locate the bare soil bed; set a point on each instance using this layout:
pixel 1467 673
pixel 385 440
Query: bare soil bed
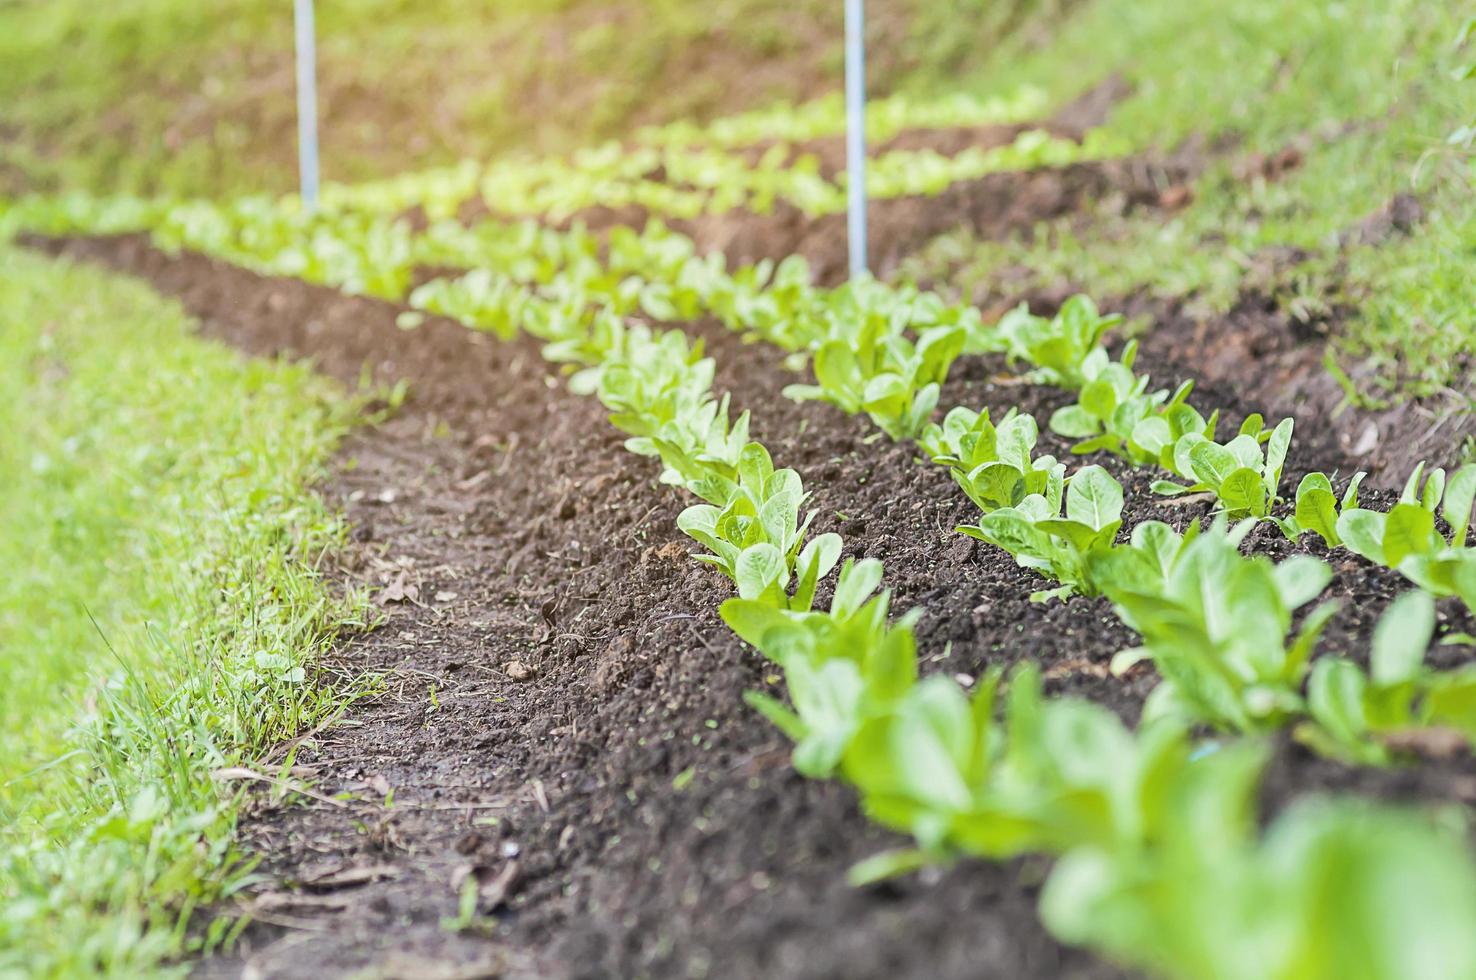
pixel 562 715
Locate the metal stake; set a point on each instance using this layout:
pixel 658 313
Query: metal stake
pixel 307 103
pixel 856 134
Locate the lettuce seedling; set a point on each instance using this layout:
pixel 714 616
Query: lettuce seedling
pixel 1355 712
pixel 1215 623
pixel 1038 537
pixel 1407 539
pixel 1317 508
pixel 1050 775
pixel 756 535
pixel 1241 474
pixel 842 666
pixel 1059 348
pixel 659 391
pixel 699 449
pixel 992 463
pixel 1333 889
pixel 480 300
pixel 892 379
pixel 1116 413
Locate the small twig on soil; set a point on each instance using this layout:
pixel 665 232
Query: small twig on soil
pixel 512 446
pixel 441 807
pixel 290 922
pixel 240 772
pixel 1187 499
pixel 703 640
pixel 282 750
pixel 284 900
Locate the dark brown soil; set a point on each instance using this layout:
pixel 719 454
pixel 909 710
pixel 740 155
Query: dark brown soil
pixel 1261 347
pixel 624 812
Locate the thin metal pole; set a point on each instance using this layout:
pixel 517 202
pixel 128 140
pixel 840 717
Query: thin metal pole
pixel 307 103
pixel 856 133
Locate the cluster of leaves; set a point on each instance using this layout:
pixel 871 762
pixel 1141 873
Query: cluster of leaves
pixel 1159 858
pixel 994 464
pixel 1329 889
pixel 1063 776
pixel 755 531
pixel 1065 350
pixel 1359 715
pixel 1406 538
pixel 1215 623
pixel 712 179
pixel 1021 497
pixel 894 379
pixel 1061 546
pixel 1244 474
pixel 1116 413
pixel 1316 508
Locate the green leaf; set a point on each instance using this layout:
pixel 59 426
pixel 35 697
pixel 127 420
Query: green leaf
pixel 1073 422
pixel 1099 398
pixel 1451 701
pixel 1276 450
pixel 776 713
pixel 835 365
pixel 1212 463
pixel 1335 699
pixel 1167 489
pixel 1080 536
pixel 1316 508
pixel 1434 490
pixel 1094 498
pixel 923 749
pixel 1409 530
pixel 996 485
pixel 1460 492
pixel 1008 529
pixel 1401 637
pixel 857 581
pixel 887 864
pixel 828 700
pixel 813 564
pixel 1410 493
pixel 1300 579
pixel 1362 531
pixel 1152 435
pixel 1242 492
pixel 762 626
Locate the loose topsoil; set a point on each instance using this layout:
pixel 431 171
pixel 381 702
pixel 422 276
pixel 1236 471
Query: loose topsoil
pixel 561 719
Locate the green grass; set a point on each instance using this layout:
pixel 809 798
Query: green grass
pixel 1366 87
pixel 167 617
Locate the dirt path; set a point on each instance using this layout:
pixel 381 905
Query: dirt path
pixel 562 718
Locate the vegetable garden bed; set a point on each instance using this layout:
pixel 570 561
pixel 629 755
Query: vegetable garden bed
pixel 564 722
